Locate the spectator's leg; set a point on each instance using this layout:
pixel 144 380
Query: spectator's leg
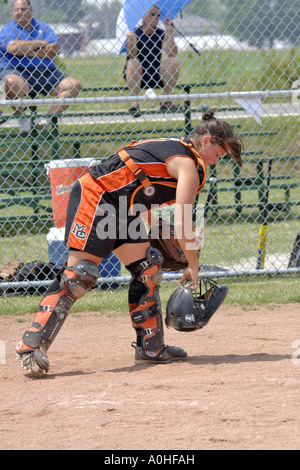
pixel 69 87
pixel 16 88
pixel 134 78
pixel 169 72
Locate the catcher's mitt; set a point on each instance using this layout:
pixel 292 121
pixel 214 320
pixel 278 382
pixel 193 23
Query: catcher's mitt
pixel 162 237
pixel 9 270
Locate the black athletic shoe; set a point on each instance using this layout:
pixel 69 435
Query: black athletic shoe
pixel 167 355
pixel 134 111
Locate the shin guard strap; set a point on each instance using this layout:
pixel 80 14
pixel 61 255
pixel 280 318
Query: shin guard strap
pixel 45 334
pixel 145 312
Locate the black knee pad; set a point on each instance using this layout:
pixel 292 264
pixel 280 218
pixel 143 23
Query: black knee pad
pixel 144 299
pixel 78 279
pixel 153 258
pixel 142 273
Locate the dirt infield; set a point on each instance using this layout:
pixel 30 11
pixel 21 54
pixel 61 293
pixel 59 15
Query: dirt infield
pixel 239 388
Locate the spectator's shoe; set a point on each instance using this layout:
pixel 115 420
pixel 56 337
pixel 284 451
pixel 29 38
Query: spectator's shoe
pixel 34 360
pixel 166 355
pixel 134 111
pixel 169 107
pixel 42 124
pixel 24 125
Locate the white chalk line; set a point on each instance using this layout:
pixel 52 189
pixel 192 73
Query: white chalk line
pixel 82 401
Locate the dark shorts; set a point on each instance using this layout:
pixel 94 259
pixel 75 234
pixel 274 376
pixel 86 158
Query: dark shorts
pixel 96 224
pixel 40 81
pixel 149 80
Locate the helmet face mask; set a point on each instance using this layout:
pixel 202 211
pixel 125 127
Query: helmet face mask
pixel 189 309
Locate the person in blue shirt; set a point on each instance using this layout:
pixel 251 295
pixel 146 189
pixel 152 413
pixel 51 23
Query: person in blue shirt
pixel 28 49
pixel 143 68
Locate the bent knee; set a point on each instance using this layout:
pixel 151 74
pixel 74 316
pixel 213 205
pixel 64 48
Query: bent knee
pixel 133 61
pixel 77 280
pixel 12 80
pixel 69 84
pixel 77 85
pixel 133 65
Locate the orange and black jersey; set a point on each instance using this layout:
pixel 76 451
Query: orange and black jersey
pixel 151 156
pixel 104 202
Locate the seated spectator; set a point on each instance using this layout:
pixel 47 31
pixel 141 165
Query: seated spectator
pixel 143 68
pixel 27 49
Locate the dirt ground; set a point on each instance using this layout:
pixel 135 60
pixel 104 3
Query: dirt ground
pixel 239 389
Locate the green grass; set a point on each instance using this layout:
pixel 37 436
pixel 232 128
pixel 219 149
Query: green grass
pixel 246 293
pixel 244 70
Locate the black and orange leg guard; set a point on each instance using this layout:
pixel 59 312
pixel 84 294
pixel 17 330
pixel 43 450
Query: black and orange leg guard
pixel 144 302
pixel 52 312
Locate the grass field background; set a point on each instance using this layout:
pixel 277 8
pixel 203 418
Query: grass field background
pixel 264 70
pixel 248 293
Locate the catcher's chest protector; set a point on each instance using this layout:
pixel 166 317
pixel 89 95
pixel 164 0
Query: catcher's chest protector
pixel 146 315
pixel 162 190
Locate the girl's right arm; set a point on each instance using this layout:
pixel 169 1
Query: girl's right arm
pixel 184 170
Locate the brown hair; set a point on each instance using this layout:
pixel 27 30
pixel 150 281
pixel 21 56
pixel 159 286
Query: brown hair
pixel 221 133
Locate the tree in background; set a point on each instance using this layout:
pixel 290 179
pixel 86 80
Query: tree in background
pixel 262 22
pixel 259 22
pixel 213 10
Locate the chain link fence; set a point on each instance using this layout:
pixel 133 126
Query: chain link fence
pixel 242 59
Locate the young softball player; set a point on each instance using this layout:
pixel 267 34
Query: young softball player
pixel 104 215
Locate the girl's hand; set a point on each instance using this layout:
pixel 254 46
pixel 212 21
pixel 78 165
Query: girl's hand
pixel 192 274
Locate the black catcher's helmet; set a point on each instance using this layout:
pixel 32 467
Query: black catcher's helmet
pixel 189 310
